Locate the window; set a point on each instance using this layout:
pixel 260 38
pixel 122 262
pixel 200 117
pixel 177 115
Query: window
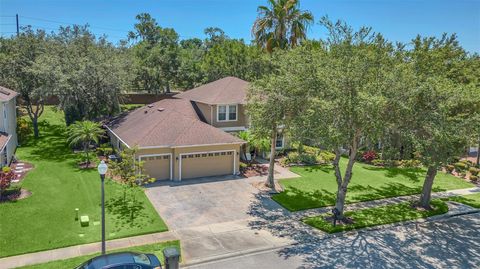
pixel 227 113
pixel 279 141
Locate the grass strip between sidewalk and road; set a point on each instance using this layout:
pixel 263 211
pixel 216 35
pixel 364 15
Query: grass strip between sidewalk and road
pixel 156 249
pixel 378 216
pixel 472 200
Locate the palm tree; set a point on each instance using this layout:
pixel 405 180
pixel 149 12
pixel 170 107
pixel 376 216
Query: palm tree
pixel 84 133
pixel 281 24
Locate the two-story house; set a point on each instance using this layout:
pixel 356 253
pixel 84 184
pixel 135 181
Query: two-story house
pixel 8 125
pixel 190 135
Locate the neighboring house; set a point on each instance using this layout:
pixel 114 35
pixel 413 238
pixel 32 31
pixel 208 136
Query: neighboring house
pixel 190 135
pixel 8 125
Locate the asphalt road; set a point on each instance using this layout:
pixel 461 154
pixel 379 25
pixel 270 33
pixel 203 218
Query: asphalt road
pixel 449 243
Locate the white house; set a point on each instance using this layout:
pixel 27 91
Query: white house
pixel 8 125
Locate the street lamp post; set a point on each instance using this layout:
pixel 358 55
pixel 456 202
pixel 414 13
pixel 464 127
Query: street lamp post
pixel 102 170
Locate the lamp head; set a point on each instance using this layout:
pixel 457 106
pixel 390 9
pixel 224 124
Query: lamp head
pixel 102 168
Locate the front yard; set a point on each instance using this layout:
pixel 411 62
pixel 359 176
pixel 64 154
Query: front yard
pixel 46 220
pixel 317 186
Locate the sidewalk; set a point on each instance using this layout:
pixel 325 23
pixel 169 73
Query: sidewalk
pixel 80 250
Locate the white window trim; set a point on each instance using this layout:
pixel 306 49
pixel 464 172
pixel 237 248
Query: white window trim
pixel 162 154
pixel 227 113
pixel 202 152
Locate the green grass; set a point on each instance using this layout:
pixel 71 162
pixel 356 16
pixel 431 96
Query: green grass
pixel 377 216
pixel 46 220
pixel 317 185
pixel 472 200
pixel 71 263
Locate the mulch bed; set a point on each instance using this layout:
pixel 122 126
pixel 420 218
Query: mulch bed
pixel 344 221
pixel 84 165
pixel 256 170
pixel 15 195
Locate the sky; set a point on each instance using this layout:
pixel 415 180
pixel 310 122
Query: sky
pixel 397 20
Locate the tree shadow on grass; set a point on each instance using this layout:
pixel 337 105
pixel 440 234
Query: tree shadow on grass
pixel 326 168
pixel 413 174
pixel 128 212
pixel 51 145
pixel 295 199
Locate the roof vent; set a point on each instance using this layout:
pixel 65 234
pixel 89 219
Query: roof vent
pixel 150 106
pixel 161 109
pixel 146 111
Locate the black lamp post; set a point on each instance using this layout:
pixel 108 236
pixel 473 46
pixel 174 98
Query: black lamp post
pixel 102 170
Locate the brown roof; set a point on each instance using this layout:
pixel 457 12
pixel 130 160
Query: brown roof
pixel 7 94
pixel 167 123
pixel 3 139
pixel 229 90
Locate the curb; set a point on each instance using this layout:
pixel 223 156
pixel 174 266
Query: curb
pixel 200 261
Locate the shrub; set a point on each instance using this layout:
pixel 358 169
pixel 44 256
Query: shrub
pixel 474 171
pixel 293 157
pixel 449 168
pixel 243 166
pixel 369 156
pixel 411 163
pixel 460 167
pixel 307 158
pixel 325 157
pixel 311 150
pixel 104 151
pixel 473 178
pixel 284 161
pixel 378 162
pixel 24 129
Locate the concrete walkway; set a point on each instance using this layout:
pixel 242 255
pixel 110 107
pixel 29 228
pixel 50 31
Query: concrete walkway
pixel 80 250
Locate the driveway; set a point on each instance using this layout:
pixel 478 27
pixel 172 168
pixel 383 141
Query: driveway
pixel 197 202
pixel 212 216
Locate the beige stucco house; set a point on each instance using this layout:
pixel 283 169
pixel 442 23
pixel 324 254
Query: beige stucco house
pixel 8 125
pixel 190 135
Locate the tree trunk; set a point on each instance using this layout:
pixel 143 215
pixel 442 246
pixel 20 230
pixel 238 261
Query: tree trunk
pixel 478 152
pixel 427 187
pixel 35 127
pixel 270 179
pixel 342 184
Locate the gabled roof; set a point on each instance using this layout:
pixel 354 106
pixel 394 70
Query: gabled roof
pixel 229 90
pixel 7 94
pixel 167 123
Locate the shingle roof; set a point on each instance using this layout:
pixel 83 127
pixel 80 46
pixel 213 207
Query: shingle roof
pixel 167 123
pixel 7 94
pixel 229 90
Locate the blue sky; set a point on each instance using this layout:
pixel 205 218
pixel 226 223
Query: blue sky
pixel 398 20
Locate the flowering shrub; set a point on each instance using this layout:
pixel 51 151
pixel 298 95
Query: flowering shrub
pixel 369 156
pixel 6 176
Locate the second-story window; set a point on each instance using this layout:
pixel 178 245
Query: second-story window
pixel 227 113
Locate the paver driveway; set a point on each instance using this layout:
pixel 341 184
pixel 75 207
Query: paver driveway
pixel 198 202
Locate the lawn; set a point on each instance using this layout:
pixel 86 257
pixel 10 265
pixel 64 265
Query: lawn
pixel 71 263
pixel 317 185
pixel 472 200
pixel 46 220
pixel 378 216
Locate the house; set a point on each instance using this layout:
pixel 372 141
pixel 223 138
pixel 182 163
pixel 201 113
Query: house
pixel 190 135
pixel 8 125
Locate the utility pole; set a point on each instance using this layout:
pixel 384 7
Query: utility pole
pixel 18 27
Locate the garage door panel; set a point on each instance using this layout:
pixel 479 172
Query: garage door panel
pixel 157 167
pixel 207 164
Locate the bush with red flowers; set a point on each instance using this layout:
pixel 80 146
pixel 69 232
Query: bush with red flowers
pixel 6 177
pixel 369 156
